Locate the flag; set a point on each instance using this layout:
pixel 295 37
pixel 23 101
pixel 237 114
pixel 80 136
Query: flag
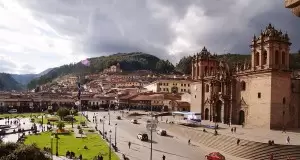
pixel 85 62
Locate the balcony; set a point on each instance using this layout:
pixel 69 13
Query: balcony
pixel 294 5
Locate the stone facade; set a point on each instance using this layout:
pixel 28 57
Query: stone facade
pixel 255 93
pixel 294 5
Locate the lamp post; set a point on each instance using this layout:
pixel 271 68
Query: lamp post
pixel 72 113
pixel 56 136
pixel 215 121
pixel 42 123
pixel 109 145
pixel 116 134
pixel 103 128
pixel 109 113
pixel 51 147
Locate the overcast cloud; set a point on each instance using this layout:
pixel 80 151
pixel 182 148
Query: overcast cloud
pixel 39 34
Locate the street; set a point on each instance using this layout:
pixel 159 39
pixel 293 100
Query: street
pixel 171 146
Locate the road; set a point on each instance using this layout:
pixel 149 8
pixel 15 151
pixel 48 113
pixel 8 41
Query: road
pixel 173 147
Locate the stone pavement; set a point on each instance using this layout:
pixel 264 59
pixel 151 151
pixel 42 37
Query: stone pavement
pixel 248 133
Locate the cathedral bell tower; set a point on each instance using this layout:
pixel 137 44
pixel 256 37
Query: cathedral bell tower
pixel 270 51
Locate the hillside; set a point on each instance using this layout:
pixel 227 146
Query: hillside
pixel 23 79
pixel 128 62
pixel 8 83
pixel 184 65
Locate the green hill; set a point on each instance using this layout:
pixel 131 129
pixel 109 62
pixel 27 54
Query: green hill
pixel 8 83
pixel 128 62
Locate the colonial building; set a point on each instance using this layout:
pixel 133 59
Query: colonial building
pixel 170 86
pixel 255 93
pixel 113 69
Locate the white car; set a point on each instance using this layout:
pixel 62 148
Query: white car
pixel 162 132
pixel 13 111
pixel 134 121
pixel 142 136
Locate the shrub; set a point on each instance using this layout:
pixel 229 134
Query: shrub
pixel 80 131
pixel 60 125
pixel 50 111
pixel 32 120
pixel 91 130
pixel 82 123
pixel 78 127
pixel 62 112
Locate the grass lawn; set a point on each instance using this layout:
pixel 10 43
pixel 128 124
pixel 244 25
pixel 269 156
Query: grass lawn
pixel 78 119
pixel 95 144
pixel 18 115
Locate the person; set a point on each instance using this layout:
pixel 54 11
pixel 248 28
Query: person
pixel 271 156
pixel 189 141
pixel 129 144
pixel 101 157
pixel 288 140
pixel 238 141
pixel 231 130
pixel 164 157
pixel 234 129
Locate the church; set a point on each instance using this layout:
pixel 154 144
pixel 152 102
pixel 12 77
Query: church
pixel 259 93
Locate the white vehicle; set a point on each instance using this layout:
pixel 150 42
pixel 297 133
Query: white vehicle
pixel 134 121
pixel 162 132
pixel 13 111
pixel 142 136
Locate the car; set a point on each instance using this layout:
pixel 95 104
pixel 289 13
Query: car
pixel 215 156
pixel 162 132
pixel 118 117
pixel 13 111
pixel 134 121
pixel 142 136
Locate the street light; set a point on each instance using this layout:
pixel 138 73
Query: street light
pixel 116 135
pixel 109 113
pixel 109 145
pixel 72 113
pixel 56 136
pixel 51 147
pixel 103 128
pixel 215 121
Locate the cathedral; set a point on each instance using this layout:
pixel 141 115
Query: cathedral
pixel 256 93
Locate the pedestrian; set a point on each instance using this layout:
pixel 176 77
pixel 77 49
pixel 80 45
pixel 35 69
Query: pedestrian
pixel 129 144
pixel 271 156
pixel 164 157
pixel 238 141
pixel 189 141
pixel 231 130
pixel 234 129
pixel 288 140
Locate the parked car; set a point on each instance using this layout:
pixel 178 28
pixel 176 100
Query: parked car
pixel 162 132
pixel 13 111
pixel 134 121
pixel 142 136
pixel 215 156
pixel 118 117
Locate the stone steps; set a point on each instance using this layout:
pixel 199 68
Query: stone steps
pixel 246 149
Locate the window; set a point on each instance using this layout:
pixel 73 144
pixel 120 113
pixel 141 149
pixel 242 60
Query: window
pixel 243 85
pixel 185 85
pixel 206 88
pixel 283 58
pixel 188 85
pixel 257 59
pixel 276 57
pixel 195 96
pixel 265 55
pixel 258 95
pixel 283 100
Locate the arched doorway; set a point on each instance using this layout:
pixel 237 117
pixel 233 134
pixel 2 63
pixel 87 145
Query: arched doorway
pixel 206 116
pixel 218 110
pixel 241 117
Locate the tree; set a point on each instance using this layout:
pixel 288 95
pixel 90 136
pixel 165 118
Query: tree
pixel 60 125
pixel 164 66
pixel 15 151
pixel 62 112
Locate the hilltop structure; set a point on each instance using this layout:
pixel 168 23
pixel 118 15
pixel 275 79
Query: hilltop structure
pixel 259 92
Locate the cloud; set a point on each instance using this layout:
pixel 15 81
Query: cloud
pixel 55 32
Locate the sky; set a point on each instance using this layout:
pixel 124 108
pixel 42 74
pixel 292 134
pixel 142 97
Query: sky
pixel 39 34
